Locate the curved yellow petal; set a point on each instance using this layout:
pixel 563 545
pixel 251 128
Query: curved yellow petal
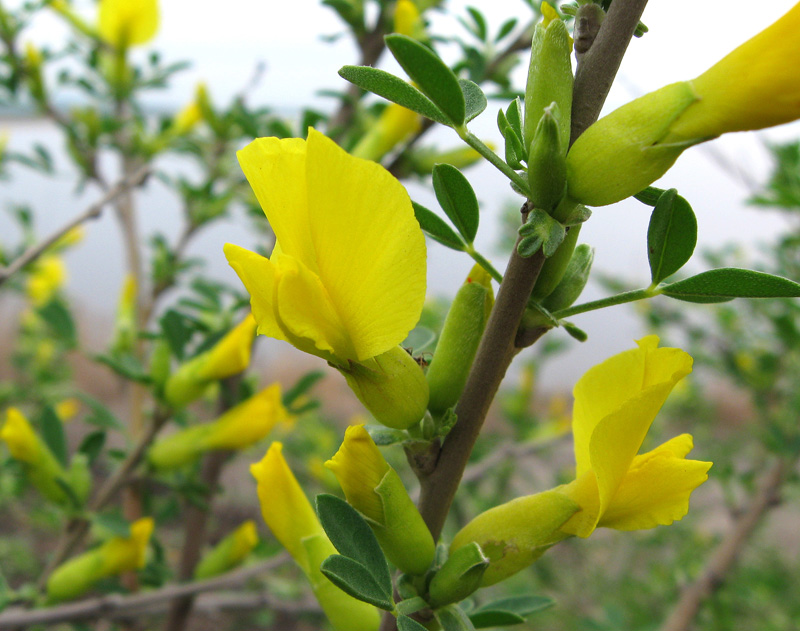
pixel 248 422
pixel 276 170
pixel 306 313
pixel 128 22
pixel 656 489
pixel 257 274
pixel 370 249
pixel 284 505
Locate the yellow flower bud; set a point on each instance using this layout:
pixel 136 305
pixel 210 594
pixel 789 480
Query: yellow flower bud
pixel 114 557
pixel 374 489
pixel 228 553
pixel 292 520
pixel 407 19
pixel 66 409
pixel 124 23
pixel 240 427
pixel 391 386
pixel 458 343
pixel 395 125
pixel 125 327
pixel 423 161
pixel 230 356
pixel 48 276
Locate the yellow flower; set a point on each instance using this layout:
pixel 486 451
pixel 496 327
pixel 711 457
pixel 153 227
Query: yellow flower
pixel 240 427
pixel 615 404
pixel 48 276
pixel 66 409
pixel 395 125
pixel 124 23
pixel 292 520
pixel 408 20
pixel 114 557
pixel 21 440
pixel 755 86
pixel 346 278
pixel 229 356
pixel 229 552
pixel 373 488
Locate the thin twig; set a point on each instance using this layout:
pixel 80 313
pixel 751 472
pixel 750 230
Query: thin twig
pixel 92 212
pixel 722 561
pixel 122 606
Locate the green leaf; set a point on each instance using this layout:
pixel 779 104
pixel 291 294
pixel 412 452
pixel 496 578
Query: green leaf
pixel 69 492
pixel 522 605
pixel 514 116
pixel 505 29
pixel 176 331
pixel 436 228
pixel 60 322
pixel 474 98
pixel 575 332
pixel 303 385
pixel 480 23
pixel 113 523
pixel 353 578
pixel 540 230
pixel 723 284
pixel 431 74
pixel 457 199
pixel 126 365
pixel 491 618
pixel 411 605
pixel 650 195
pixel 383 436
pixel 671 236
pixel 514 149
pixel 92 445
pixel 352 537
pixel 101 416
pixel 393 89
pixel 53 435
pixel 453 618
pixel 404 623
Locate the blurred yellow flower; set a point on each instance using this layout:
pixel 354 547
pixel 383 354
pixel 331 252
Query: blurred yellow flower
pixel 228 553
pixel 395 125
pixel 48 276
pixel 124 23
pixel 66 409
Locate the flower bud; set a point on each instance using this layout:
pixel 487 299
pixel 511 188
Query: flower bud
pixel 549 79
pixel 114 557
pixel 515 534
pixel 575 278
pixel 48 276
pixel 230 356
pixel 547 167
pixel 124 338
pixel 33 66
pixel 555 266
pixel 391 386
pixel 228 553
pixel 290 517
pixel 375 490
pixel 395 125
pixel 422 161
pixel 240 427
pixel 458 343
pixel 459 577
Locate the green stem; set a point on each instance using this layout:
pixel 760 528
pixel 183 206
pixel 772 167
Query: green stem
pixel 480 260
pixel 619 299
pixel 473 141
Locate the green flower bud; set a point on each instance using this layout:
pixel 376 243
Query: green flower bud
pixel 555 267
pixel 458 343
pixel 623 152
pixel 547 166
pixel 574 280
pixel 459 577
pixel 374 489
pixel 549 79
pixel 391 386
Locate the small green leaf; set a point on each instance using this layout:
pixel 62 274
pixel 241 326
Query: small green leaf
pixel 53 435
pixel 723 284
pixel 69 492
pixel 383 436
pixel 671 236
pixel 540 230
pixel 411 605
pixel 60 322
pixel 404 623
pixel 113 524
pixel 100 416
pixel 176 331
pixel 353 578
pixel 514 150
pixel 436 228
pixel 393 89
pixel 353 538
pixel 474 98
pixel 303 385
pixel 650 195
pixel 514 116
pixel 92 445
pixel 495 618
pixel 505 29
pixel 457 199
pixel 522 605
pixel 480 23
pixel 574 332
pixel 431 74
pixel 453 618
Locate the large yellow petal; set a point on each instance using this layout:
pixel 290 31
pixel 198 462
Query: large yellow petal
pixel 284 505
pixel 257 274
pixel 306 313
pixel 128 22
pixel 631 382
pixel 276 169
pixel 656 489
pixel 369 247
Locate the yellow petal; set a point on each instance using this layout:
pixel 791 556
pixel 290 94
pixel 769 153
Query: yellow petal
pixel 20 438
pixel 755 86
pixel 123 554
pixel 231 355
pixel 128 22
pixel 656 489
pixel 306 313
pixel 284 506
pixel 257 274
pixel 276 169
pixel 248 422
pixel 370 249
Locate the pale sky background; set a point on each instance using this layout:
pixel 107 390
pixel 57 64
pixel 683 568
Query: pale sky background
pixel 226 40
